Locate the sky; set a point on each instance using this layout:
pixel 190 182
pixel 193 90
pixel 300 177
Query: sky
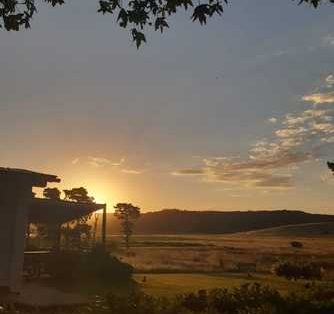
pixel 236 115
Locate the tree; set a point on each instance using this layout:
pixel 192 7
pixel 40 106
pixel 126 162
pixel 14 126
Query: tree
pixel 127 214
pixel 78 195
pixel 50 231
pixel 77 232
pixel 51 193
pixel 133 14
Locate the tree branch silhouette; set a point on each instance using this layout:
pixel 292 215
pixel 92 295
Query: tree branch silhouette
pixel 135 15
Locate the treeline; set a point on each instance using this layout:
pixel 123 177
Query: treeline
pixel 174 221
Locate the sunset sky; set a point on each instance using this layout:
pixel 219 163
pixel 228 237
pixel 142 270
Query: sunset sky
pixel 236 115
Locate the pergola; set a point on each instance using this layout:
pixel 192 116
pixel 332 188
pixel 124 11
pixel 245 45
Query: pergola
pixel 58 212
pixel 18 207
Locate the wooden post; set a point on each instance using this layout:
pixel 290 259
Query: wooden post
pixel 28 233
pixel 104 226
pixel 57 243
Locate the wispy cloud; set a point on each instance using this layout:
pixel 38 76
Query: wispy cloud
pixel 132 171
pixel 320 98
pixel 75 161
pixel 327 178
pixel 118 163
pixel 271 163
pixel 98 162
pixel 193 172
pixel 273 120
pixel 330 81
pixel 328 40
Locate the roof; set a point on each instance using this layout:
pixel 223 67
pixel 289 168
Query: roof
pixel 59 211
pixel 33 178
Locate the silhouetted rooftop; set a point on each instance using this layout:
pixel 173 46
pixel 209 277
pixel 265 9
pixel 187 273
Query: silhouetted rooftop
pixel 34 178
pixel 59 211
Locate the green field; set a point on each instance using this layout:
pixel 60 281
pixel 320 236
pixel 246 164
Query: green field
pixel 166 265
pixel 221 253
pixel 170 284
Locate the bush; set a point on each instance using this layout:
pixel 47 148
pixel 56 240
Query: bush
pixel 62 264
pixel 318 300
pixel 290 270
pixel 248 299
pixel 296 244
pixel 104 266
pixel 139 303
pixel 96 264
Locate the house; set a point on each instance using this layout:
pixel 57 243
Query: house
pixel 18 207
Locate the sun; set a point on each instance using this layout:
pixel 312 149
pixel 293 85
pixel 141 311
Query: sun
pixel 99 195
pixel 102 195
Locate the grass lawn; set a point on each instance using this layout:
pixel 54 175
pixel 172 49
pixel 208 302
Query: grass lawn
pixel 170 284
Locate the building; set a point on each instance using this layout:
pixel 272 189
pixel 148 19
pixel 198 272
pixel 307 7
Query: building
pixel 18 207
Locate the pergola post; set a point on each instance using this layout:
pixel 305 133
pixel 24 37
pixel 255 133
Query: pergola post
pixel 104 226
pixel 19 223
pixel 57 243
pixel 28 234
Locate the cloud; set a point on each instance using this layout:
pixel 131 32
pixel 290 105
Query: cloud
pixel 273 120
pixel 264 168
pixel 132 171
pixel 75 161
pixel 98 162
pixel 327 178
pixel 271 163
pixel 119 163
pixel 291 132
pixel 320 98
pixel 328 140
pixel 329 40
pixel 192 172
pixel 307 115
pixel 330 81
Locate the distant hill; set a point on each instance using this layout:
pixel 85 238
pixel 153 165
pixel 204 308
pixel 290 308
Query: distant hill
pixel 302 230
pixel 173 221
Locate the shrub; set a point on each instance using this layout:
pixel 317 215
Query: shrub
pixel 196 302
pixel 248 299
pixel 96 264
pixel 296 244
pixel 101 265
pixel 138 303
pixel 318 300
pixel 62 264
pixel 296 271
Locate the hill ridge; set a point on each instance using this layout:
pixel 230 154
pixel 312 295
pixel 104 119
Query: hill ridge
pixel 174 221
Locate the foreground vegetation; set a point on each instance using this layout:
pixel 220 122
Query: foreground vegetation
pixel 247 299
pixel 290 275
pixel 168 285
